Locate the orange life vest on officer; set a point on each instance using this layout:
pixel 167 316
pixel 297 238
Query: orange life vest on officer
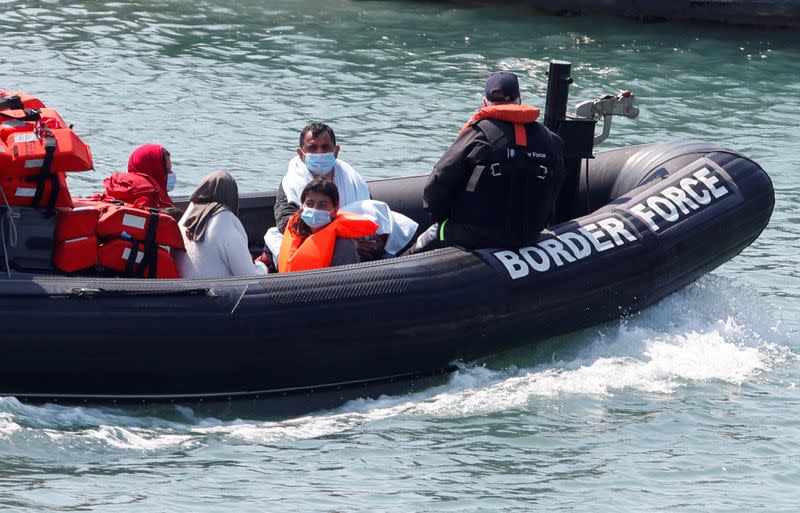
pixel 497 184
pixel 516 114
pixel 315 251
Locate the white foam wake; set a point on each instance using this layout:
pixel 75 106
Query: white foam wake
pixel 711 332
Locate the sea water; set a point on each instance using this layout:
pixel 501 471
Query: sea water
pixel 690 405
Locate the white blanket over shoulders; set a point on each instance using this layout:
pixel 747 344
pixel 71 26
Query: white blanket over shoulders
pixel 350 184
pixel 399 227
pixel 354 197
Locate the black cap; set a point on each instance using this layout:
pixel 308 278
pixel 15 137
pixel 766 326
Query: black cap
pixel 502 86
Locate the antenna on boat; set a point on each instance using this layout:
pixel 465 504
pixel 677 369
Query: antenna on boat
pixel 577 130
pixel 577 134
pixel 607 107
pixel 558 82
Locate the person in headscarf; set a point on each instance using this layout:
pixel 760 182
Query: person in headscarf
pixel 215 240
pixel 148 180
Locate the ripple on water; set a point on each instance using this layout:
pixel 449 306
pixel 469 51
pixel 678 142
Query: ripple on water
pixel 689 405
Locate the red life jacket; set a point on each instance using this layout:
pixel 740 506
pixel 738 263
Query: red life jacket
pixel 123 238
pixel 131 257
pixel 26 100
pixel 316 251
pixel 36 148
pixel 22 191
pixel 75 254
pixel 136 222
pixel 75 247
pixel 518 115
pixel 25 136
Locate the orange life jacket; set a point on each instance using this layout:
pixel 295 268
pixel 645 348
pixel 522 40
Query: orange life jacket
pixel 76 254
pixel 24 100
pixel 116 236
pixel 25 144
pixel 135 222
pixel 131 257
pixel 316 251
pixel 22 191
pixel 36 148
pixel 75 246
pixel 518 115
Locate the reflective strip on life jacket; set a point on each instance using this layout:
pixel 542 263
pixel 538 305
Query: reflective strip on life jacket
pixel 120 226
pixel 73 223
pixel 21 190
pixel 75 254
pixel 316 250
pixel 117 220
pixel 23 146
pixel 121 255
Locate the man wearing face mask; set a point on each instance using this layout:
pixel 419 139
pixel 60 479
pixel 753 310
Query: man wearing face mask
pixel 316 158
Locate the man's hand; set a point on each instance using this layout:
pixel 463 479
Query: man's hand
pixel 266 259
pixel 372 248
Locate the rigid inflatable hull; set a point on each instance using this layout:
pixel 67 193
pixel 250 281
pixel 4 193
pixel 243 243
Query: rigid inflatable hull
pixel 335 331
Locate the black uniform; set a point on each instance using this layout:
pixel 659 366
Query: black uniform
pixel 487 192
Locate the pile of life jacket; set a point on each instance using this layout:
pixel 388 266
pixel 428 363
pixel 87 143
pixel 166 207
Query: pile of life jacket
pixel 133 241
pixel 37 149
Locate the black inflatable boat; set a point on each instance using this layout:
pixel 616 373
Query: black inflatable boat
pixel 651 219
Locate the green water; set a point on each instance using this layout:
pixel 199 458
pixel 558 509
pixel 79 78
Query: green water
pixel 690 406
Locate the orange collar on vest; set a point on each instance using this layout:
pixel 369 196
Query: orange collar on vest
pixel 510 112
pixel 519 115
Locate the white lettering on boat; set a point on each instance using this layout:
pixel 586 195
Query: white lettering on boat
pixel 664 208
pixel 673 203
pixel 566 248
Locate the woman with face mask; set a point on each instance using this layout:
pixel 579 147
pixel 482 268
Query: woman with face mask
pixel 215 240
pixel 148 180
pixel 317 235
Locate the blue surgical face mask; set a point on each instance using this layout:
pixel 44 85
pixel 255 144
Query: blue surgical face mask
pixel 320 163
pixel 315 218
pixel 171 179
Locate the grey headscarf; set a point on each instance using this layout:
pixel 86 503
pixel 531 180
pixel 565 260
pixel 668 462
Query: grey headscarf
pixel 217 192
